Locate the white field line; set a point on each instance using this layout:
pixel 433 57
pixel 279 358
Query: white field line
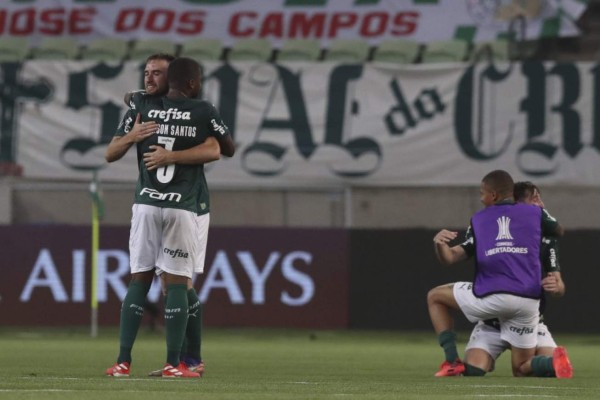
pixel 120 379
pixel 37 390
pixel 519 387
pixel 513 395
pixel 62 390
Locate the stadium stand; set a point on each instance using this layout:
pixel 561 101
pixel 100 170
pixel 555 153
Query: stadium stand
pixel 141 49
pixel 300 50
pixel 346 50
pixel 106 49
pixel 397 51
pixel 250 50
pixel 60 48
pixel 453 50
pixel 14 49
pixel 581 48
pixel 202 49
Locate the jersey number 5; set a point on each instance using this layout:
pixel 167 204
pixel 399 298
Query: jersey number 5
pixel 165 174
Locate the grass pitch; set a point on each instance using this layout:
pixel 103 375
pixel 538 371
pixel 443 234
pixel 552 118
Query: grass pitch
pixel 272 364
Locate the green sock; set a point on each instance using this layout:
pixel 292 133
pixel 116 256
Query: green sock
pixel 193 332
pixel 447 340
pixel 184 344
pixel 473 371
pixel 132 312
pixel 176 314
pixel 541 366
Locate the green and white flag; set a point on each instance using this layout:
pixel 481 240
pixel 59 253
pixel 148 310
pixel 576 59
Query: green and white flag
pixel 526 19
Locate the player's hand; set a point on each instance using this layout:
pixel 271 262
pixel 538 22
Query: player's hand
pixel 551 284
pixel 157 157
pixel 444 236
pixel 142 130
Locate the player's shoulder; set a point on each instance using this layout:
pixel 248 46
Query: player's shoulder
pixel 204 104
pixel 547 215
pixel 128 98
pixel 140 98
pixel 133 97
pixel 201 108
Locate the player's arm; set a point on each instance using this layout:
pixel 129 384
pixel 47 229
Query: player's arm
pixel 550 226
pixel 226 145
pixel 554 284
pixel 199 154
pixel 130 131
pixel 220 131
pixel 129 96
pixel 445 254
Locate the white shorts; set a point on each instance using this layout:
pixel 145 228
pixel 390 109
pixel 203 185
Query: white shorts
pixel 518 316
pixel 544 337
pixel 168 239
pixel 487 338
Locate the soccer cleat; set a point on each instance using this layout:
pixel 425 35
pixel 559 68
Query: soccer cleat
pixel 451 369
pixel 180 371
pixel 193 364
pixel 561 363
pixel 119 369
pixel 197 367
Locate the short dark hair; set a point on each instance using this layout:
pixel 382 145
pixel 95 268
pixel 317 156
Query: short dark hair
pixel 161 56
pixel 501 182
pixel 524 189
pixel 181 70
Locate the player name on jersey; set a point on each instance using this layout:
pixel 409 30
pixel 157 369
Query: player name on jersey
pixel 177 130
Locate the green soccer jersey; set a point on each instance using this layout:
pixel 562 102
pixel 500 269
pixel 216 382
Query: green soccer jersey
pixel 183 123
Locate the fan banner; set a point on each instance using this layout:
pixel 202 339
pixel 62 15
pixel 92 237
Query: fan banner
pixel 325 124
pixel 231 20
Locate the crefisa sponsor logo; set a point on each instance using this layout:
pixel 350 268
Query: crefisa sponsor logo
pixel 524 330
pixel 167 115
pixel 177 253
pixel 218 127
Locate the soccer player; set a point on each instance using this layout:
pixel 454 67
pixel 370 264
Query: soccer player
pixel 505 241
pixel 156 84
pixel 485 344
pixel 171 210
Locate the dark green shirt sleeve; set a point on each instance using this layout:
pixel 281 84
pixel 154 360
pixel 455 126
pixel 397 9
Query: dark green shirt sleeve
pixel 216 126
pixel 126 123
pixel 550 261
pixel 549 224
pixel 469 243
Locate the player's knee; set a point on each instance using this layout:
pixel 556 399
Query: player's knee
pixel 431 297
pixel 145 277
pixel 434 296
pixel 521 370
